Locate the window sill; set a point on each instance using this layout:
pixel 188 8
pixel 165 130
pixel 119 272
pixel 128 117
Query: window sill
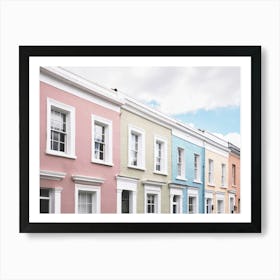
pixel 137 167
pixel 57 154
pixel 211 185
pixel 224 187
pixel 160 173
pixel 234 186
pixel 102 162
pixel 181 179
pixel 196 181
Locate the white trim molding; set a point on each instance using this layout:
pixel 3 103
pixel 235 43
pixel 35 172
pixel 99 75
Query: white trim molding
pixel 52 175
pixel 96 192
pixel 197 178
pixel 164 158
pixel 80 179
pixel 221 197
pixel 193 192
pixel 108 134
pixel 54 199
pixel 74 84
pixel 127 184
pixel 141 152
pixel 176 191
pixel 153 188
pixel 231 195
pixel 70 129
pixel 209 195
pixel 153 183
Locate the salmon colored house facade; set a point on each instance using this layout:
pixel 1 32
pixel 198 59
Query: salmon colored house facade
pixel 79 145
pixel 234 179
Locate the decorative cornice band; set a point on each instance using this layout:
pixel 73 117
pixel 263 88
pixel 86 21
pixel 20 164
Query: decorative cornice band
pixel 79 179
pixel 153 183
pixel 52 175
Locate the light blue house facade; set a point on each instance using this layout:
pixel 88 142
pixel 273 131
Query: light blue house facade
pixel 188 157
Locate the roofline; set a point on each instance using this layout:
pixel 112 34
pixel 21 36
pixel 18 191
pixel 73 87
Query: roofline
pixel 72 79
pixel 126 102
pixel 174 124
pixel 234 149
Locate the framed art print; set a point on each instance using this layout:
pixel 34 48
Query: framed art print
pixel 140 138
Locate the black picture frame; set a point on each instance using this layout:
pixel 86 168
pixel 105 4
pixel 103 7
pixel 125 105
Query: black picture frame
pixel 254 52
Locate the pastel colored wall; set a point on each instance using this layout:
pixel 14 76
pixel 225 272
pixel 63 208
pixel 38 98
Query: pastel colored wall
pixel 234 159
pixel 218 159
pixel 190 150
pixel 82 164
pixel 151 129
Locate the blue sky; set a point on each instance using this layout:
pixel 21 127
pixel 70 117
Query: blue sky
pixel 221 120
pixel 205 97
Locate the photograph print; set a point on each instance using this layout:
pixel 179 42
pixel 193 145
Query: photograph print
pixel 140 139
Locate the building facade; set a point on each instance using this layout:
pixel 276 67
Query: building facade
pixel 216 175
pixel 104 152
pixel 188 170
pixel 142 184
pixel 79 145
pixel 234 179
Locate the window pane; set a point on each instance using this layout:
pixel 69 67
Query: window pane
pixel 99 141
pixel 125 201
pixel 101 147
pixel 133 156
pixel 58 120
pixel 99 132
pixel 85 202
pixel 44 206
pixel 54 135
pixel 101 155
pixel 44 192
pixel 151 205
pixel 62 137
pixel 55 145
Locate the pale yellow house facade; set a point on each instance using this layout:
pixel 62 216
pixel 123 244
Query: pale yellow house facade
pixel 216 176
pixel 145 154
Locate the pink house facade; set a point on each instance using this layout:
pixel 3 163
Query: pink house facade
pixel 79 144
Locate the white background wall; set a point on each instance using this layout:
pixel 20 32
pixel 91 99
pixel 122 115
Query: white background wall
pixel 139 256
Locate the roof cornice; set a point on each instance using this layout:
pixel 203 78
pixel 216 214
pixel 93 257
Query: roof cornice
pixel 169 122
pixel 83 84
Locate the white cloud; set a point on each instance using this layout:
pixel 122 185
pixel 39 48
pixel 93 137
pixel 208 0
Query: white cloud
pixel 176 90
pixel 232 137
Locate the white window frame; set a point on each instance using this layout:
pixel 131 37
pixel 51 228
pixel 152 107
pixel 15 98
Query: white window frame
pixel 193 193
pixel 108 160
pixel 155 190
pixel 211 172
pixel 197 179
pixel 176 192
pixel 70 123
pixel 208 195
pixel 231 195
pixel 163 142
pixel 54 199
pixel 127 184
pixel 223 175
pixel 183 166
pixel 88 188
pixel 141 146
pixel 220 197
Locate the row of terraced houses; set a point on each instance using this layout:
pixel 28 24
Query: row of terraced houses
pixel 104 152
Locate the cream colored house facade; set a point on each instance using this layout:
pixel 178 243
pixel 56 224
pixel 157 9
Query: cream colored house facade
pixel 216 175
pixel 145 153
